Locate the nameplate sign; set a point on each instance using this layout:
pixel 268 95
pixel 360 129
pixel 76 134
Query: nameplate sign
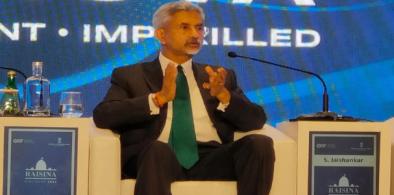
pixel 344 163
pixel 40 161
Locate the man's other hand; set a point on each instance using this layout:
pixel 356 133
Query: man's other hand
pixel 217 79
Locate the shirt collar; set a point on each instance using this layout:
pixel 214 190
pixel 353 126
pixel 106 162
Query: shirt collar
pixel 164 61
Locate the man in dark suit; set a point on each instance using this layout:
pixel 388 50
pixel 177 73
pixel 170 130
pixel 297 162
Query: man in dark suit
pixel 176 118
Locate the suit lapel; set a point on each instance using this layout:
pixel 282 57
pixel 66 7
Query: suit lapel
pixel 153 75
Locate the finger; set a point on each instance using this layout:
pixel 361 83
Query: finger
pixel 210 71
pixel 171 71
pixel 222 71
pixel 171 67
pixel 222 74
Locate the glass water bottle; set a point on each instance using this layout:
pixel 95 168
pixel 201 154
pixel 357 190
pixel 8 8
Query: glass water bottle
pixel 37 99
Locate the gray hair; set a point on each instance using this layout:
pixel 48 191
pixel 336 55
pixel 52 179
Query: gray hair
pixel 164 13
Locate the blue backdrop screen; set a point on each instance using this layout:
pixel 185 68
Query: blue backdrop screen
pixel 348 42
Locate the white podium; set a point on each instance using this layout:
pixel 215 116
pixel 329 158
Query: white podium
pixel 46 172
pixel 316 139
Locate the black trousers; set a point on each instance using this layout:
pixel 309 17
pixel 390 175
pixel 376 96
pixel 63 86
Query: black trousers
pixel 249 161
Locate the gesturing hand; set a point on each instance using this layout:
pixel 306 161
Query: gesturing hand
pixel 217 79
pixel 168 89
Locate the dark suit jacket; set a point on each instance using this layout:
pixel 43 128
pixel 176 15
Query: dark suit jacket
pixel 125 108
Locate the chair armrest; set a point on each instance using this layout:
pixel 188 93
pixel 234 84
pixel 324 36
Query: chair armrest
pixel 104 163
pixel 267 130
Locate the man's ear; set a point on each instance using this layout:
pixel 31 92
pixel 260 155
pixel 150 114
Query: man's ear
pixel 159 34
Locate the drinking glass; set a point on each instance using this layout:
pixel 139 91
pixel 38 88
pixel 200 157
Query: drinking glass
pixel 70 104
pixel 9 102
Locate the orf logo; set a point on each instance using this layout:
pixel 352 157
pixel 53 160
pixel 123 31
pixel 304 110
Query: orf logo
pixel 40 173
pixel 343 187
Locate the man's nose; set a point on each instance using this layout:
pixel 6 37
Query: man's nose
pixel 197 32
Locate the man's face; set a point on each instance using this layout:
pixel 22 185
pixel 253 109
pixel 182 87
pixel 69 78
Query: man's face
pixel 183 34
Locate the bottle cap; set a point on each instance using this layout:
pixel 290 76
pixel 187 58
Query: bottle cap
pixel 37 64
pixel 11 73
pixel 37 68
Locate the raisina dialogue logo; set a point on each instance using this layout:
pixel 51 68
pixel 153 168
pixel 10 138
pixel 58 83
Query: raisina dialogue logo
pixel 343 187
pixel 40 173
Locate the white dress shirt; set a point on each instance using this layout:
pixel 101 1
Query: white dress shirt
pixel 203 126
